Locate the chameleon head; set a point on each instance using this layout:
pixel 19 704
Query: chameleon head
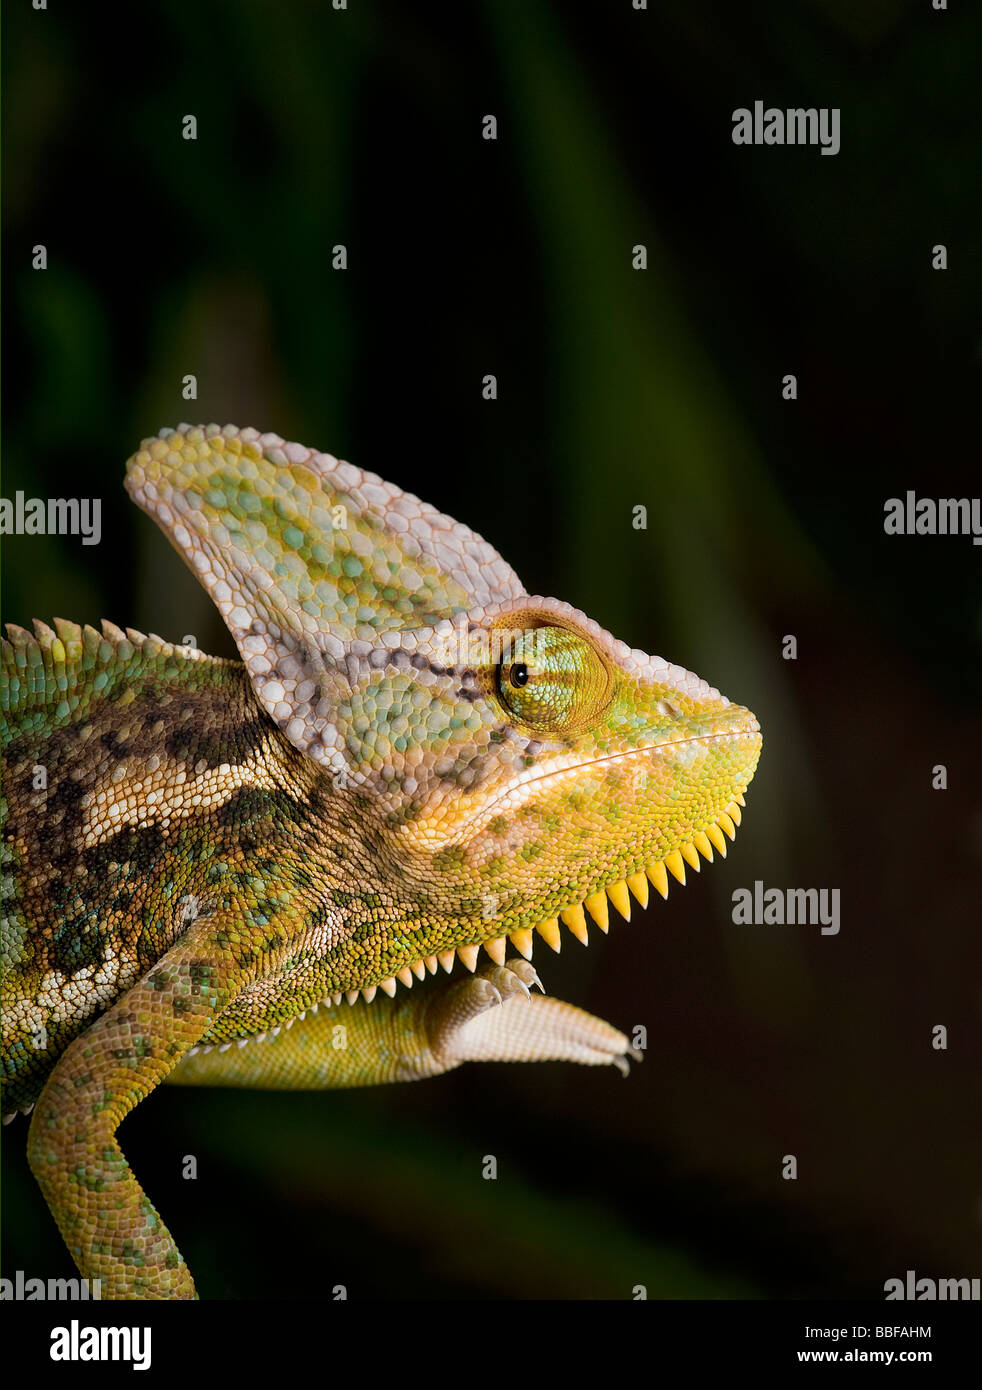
pixel 516 762
pixel 546 766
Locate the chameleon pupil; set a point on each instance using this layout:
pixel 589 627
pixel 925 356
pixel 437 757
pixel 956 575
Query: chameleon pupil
pixel 519 674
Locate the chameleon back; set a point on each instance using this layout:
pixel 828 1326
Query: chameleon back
pixel 113 744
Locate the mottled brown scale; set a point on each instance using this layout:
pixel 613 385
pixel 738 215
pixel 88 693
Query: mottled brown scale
pixel 101 897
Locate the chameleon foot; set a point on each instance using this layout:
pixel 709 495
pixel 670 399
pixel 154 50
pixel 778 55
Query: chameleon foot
pixel 489 1016
pixel 492 1017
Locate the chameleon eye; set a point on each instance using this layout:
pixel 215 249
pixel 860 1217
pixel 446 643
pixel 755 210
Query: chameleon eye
pixel 551 680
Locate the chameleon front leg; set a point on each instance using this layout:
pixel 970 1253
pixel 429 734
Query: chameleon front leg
pixel 486 1017
pixel 109 1225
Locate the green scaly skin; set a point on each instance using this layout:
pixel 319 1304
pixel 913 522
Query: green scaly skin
pixel 207 863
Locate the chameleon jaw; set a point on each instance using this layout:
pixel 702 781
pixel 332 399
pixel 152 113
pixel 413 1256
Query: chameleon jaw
pixel 657 873
pixel 703 843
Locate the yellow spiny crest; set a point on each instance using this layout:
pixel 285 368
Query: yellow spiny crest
pixel 574 917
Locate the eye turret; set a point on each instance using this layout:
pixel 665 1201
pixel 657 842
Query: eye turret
pixel 551 680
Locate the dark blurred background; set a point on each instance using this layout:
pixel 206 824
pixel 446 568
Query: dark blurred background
pixel 616 388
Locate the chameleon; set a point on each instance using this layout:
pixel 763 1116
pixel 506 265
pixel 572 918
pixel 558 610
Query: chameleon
pixel 249 872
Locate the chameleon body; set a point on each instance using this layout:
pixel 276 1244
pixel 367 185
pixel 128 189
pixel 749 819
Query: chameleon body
pixel 230 873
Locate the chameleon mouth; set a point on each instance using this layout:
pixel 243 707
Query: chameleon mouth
pixel 658 874
pixel 526 782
